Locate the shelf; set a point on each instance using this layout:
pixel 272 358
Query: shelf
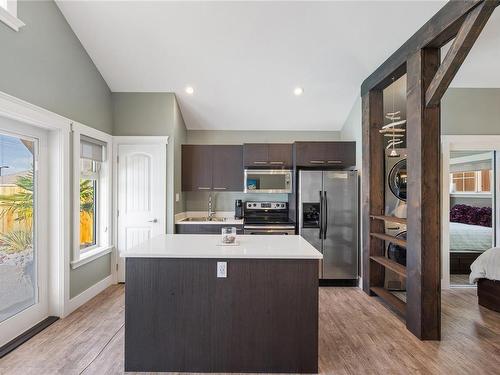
pixel 392 219
pixel 390 298
pixel 386 237
pixel 390 264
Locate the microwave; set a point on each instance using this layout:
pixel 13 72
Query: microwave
pixel 277 181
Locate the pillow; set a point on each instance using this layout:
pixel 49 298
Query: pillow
pixel 462 213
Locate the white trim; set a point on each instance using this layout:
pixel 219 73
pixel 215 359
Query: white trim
pixel 471 195
pixel 104 234
pixel 129 140
pixel 91 255
pixel 9 16
pixel 136 140
pixel 85 296
pixel 31 114
pixel 470 158
pixel 461 143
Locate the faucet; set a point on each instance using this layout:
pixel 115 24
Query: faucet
pixel 211 212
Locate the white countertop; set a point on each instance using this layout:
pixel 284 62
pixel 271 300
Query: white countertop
pixel 227 215
pixel 207 246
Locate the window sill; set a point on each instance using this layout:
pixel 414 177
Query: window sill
pixel 91 255
pixel 470 195
pixel 10 20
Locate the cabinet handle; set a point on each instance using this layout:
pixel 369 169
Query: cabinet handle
pixel 203 188
pixel 260 162
pixel 317 161
pixel 334 162
pixel 219 188
pixel 277 162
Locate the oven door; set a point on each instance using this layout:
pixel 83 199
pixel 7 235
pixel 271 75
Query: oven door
pixel 269 230
pixel 277 181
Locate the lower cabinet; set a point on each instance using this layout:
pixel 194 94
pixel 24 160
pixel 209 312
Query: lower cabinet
pixel 205 228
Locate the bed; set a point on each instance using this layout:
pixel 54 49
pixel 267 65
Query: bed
pixel 467 242
pixel 486 272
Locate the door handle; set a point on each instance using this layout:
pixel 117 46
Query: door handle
pixel 317 161
pixel 203 188
pixel 320 214
pixel 219 188
pixel 153 221
pixel 326 216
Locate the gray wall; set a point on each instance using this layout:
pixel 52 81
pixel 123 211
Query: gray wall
pixel 84 277
pixel 470 111
pixel 224 201
pixel 155 114
pixel 45 64
pixel 239 137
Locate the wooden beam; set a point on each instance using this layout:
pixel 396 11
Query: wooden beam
pixel 438 31
pixel 423 314
pixel 465 39
pixel 372 187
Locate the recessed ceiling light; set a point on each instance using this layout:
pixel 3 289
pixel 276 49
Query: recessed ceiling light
pixel 190 90
pixel 298 91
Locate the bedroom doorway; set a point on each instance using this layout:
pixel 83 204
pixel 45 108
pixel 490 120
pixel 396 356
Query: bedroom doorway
pixel 470 186
pixel 472 202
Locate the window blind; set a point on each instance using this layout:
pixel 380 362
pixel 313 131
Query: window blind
pixel 91 149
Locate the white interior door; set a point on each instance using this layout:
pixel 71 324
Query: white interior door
pixel 23 228
pixel 141 181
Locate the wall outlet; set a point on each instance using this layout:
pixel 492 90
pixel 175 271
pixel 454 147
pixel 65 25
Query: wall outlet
pixel 221 270
pixel 177 197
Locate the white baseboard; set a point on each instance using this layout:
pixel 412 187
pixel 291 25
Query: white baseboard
pixel 87 295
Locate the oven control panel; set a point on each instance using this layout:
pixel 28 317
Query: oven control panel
pixel 266 205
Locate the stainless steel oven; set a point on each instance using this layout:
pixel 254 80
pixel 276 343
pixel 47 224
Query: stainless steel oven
pixel 267 218
pixel 268 181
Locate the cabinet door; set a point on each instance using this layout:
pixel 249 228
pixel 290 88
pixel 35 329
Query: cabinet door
pixel 342 154
pixel 310 154
pixel 256 155
pixel 280 155
pixel 227 168
pixel 196 167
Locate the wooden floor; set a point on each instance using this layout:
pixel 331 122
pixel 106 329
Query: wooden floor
pixel 357 336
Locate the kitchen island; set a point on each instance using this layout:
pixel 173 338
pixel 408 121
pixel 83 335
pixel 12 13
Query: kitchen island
pixel 192 305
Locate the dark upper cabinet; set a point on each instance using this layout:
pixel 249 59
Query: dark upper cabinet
pixel 207 167
pixel 196 167
pixel 267 155
pixel 325 154
pixel 227 172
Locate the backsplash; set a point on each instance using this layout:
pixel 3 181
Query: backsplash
pixel 224 201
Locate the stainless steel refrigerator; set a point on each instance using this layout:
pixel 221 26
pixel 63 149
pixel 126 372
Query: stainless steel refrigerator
pixel 328 219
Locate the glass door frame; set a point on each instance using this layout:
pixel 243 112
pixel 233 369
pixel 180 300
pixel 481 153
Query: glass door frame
pixel 27 318
pixel 450 143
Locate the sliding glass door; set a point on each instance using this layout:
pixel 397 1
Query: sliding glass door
pixel 23 263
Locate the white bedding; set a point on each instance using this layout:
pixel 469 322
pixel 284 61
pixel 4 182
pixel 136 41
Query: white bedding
pixel 469 237
pixel 486 266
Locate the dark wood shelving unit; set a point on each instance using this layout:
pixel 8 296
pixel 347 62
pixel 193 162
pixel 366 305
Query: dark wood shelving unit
pixel 387 237
pixel 391 299
pixel 428 76
pixel 392 219
pixel 390 264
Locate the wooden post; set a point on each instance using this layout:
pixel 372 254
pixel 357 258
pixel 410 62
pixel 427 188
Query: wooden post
pixel 372 186
pixel 423 316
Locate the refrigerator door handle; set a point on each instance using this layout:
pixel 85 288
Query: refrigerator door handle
pixel 325 221
pixel 320 214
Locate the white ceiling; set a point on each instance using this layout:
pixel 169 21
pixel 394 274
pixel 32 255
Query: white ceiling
pixel 245 58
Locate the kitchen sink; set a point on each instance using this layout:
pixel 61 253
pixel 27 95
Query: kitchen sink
pixel 205 218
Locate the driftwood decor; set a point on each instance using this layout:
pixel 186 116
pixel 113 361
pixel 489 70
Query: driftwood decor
pixel 427 80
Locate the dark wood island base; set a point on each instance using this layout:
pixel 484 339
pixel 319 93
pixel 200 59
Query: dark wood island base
pixel 179 317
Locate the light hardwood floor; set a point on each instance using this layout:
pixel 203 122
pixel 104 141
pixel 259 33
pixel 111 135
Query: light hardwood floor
pixel 357 336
